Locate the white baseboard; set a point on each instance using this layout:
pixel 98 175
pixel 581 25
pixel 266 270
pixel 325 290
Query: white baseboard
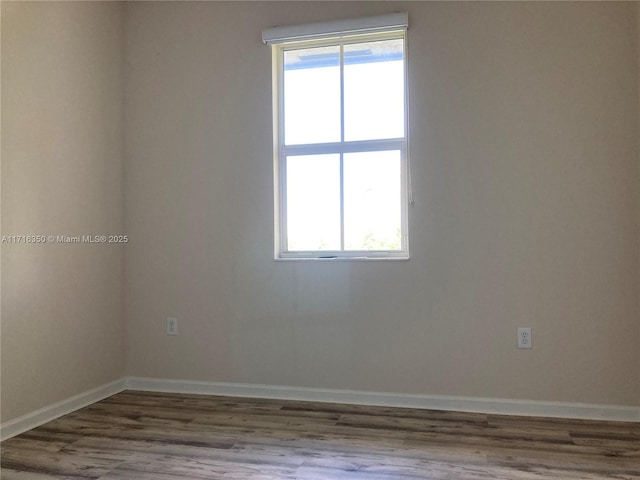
pixel 34 419
pixel 497 406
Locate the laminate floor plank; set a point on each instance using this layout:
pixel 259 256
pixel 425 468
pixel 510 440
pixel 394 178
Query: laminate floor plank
pixel 345 409
pixel 25 444
pixel 572 466
pixel 190 401
pixel 203 467
pixel 145 435
pixel 370 464
pixel 181 437
pixel 560 445
pixel 58 463
pixel 37 435
pixel 461 428
pixel 9 474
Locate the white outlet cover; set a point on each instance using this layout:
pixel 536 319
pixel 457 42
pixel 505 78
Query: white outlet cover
pixel 524 337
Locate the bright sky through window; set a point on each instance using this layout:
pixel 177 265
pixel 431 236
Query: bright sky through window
pixel 373 93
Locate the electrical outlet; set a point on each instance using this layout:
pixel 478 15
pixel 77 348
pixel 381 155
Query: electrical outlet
pixel 172 326
pixel 524 338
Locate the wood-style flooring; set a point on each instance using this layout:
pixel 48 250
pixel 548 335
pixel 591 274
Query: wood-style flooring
pixel 153 436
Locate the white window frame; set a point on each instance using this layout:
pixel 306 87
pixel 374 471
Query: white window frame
pixel 333 34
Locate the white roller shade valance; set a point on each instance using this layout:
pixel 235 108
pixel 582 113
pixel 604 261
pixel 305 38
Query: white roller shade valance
pixel 336 28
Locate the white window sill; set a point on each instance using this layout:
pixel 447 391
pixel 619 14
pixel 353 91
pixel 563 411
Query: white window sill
pixel 356 258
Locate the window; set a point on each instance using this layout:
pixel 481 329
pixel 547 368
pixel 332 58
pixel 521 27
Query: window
pixel 340 139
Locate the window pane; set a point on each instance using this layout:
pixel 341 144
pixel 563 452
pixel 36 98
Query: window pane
pixel 374 90
pixel 312 95
pixel 372 208
pixel 313 202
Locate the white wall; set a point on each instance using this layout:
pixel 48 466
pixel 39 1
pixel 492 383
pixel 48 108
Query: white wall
pixel 524 146
pixel 62 305
pixel 525 168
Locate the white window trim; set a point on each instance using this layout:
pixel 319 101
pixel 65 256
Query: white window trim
pixel 335 33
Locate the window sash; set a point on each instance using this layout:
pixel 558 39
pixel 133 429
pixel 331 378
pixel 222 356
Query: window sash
pixel 282 233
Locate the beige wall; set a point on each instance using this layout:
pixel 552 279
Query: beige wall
pixel 62 305
pixel 525 169
pixel 525 156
